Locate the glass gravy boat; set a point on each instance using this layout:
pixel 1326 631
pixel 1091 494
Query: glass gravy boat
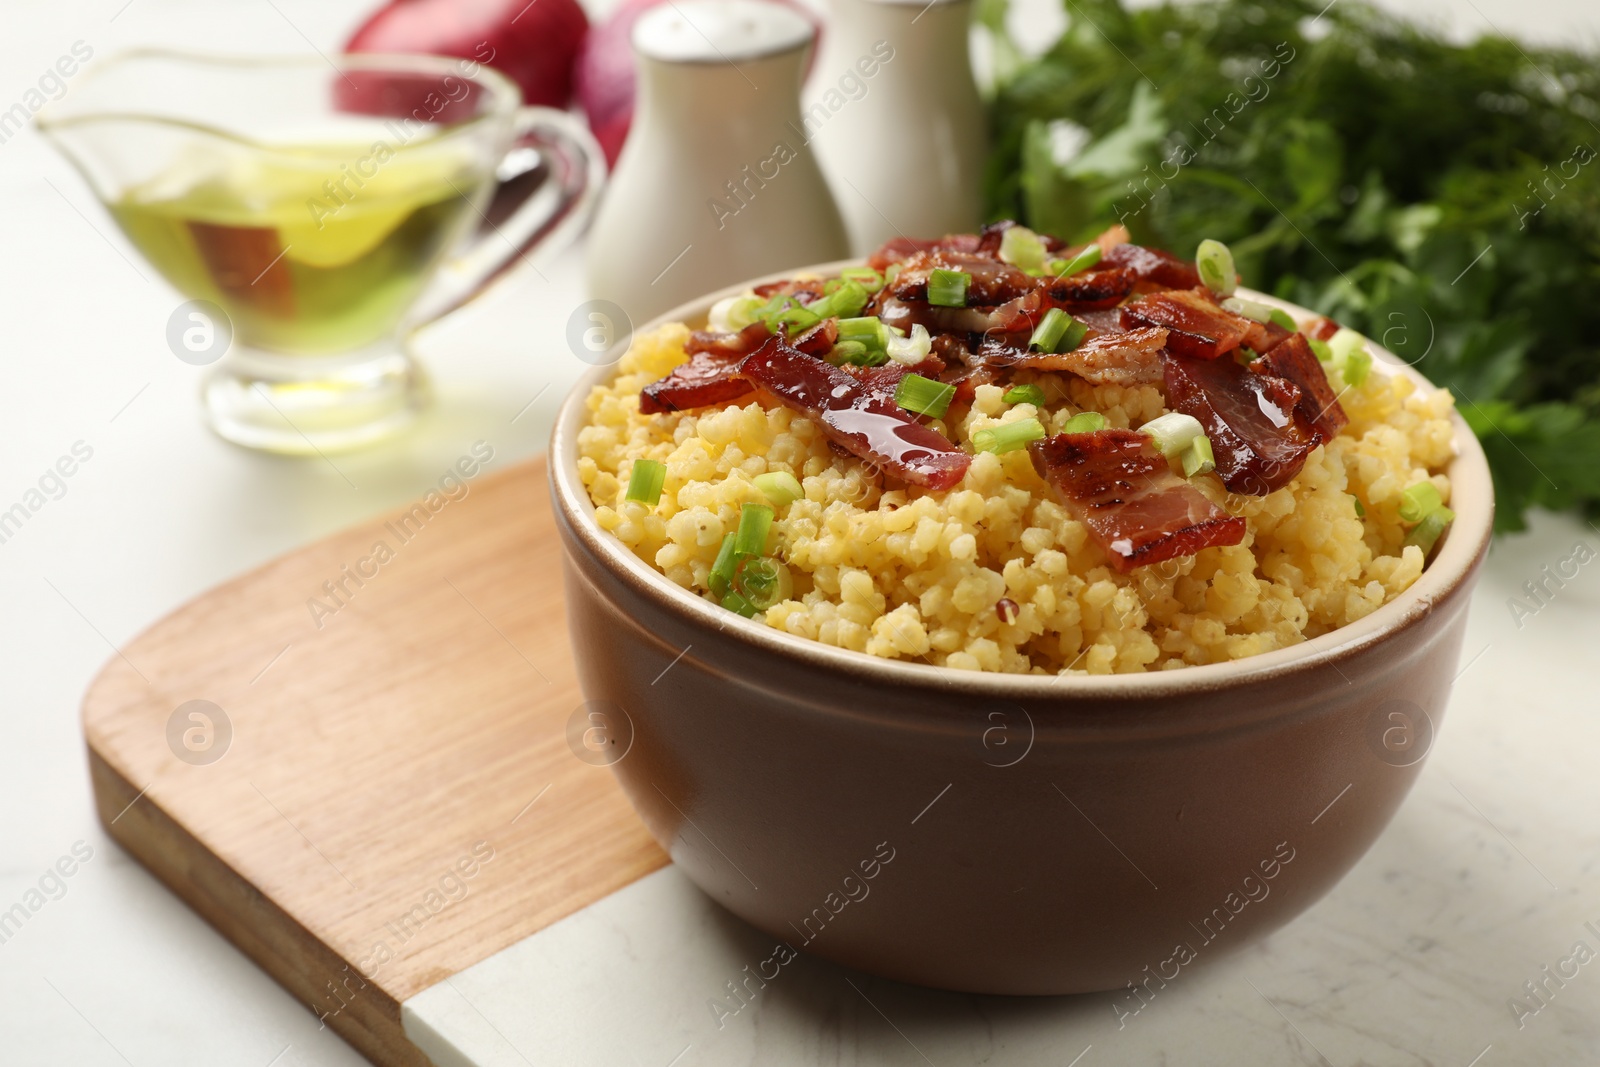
pixel 317 212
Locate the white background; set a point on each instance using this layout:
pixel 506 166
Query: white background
pixel 118 971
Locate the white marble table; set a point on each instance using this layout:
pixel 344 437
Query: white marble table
pixel 1488 873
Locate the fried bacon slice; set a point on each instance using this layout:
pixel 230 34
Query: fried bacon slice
pixel 1264 336
pixel 860 419
pixel 1091 290
pixel 1197 327
pixel 1108 321
pixel 1322 328
pixel 1120 486
pixel 1131 357
pixel 1152 267
pixel 818 340
pixel 1259 439
pixel 804 290
pixel 1293 360
pixel 735 345
pixel 993 281
pixel 712 374
pixel 883 380
pixel 899 249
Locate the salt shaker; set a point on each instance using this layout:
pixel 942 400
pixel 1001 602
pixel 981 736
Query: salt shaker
pixel 895 117
pixel 716 183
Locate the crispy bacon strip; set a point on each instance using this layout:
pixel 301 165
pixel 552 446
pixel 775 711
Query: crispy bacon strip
pixel 900 249
pixel 728 345
pixel 1198 327
pixel 819 340
pixel 966 380
pixel 1322 328
pixel 1258 336
pixel 1132 357
pixel 1293 360
pixel 1120 486
pixel 712 374
pixel 858 418
pixel 803 289
pixel 1153 267
pixel 710 377
pixel 1092 290
pixel 1259 439
pixel 885 379
pixel 993 281
pixel 1108 321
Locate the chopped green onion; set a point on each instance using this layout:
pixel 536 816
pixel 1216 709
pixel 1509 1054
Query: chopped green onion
pixel 762 582
pixel 646 480
pixel 869 330
pixel 910 350
pixel 1049 331
pixel 1085 422
pixel 1021 246
pixel 845 301
pixel 891 272
pixel 734 313
pixel 780 487
pixel 734 602
pixel 1356 366
pixel 1174 432
pixel 948 288
pixel 925 396
pixel 1087 257
pixel 779 302
pixel 1348 351
pixel 792 319
pixel 1344 342
pixel 857 353
pixel 1255 309
pixel 1426 533
pixel 847 352
pixel 1057 332
pixel 1323 352
pixel 866 277
pixel 754 522
pixel 1008 437
pixel 1198 457
pixel 1418 501
pixel 1250 309
pixel 1361 509
pixel 1025 394
pixel 721 577
pixel 1248 354
pixel 1215 263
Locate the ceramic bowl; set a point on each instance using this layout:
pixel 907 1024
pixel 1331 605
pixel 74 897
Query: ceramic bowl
pixel 996 833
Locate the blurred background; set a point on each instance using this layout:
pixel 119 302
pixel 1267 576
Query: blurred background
pixel 1388 186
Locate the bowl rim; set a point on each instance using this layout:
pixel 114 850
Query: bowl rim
pixel 1456 560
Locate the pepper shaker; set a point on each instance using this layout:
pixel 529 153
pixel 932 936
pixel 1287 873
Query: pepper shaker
pixel 896 120
pixel 715 183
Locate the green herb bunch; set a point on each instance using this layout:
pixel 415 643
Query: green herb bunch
pixel 1442 199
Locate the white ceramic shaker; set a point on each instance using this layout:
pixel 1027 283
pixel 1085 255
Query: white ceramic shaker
pixel 715 183
pixel 894 114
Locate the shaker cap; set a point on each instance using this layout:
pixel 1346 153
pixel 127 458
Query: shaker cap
pixel 719 31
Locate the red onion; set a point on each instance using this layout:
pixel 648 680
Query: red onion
pixel 533 44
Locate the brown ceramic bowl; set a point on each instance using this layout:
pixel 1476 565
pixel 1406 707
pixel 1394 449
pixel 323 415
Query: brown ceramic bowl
pixel 996 833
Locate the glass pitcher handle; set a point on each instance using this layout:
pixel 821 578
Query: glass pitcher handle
pixel 548 183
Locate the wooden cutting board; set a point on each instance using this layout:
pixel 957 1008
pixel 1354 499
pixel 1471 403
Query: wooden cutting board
pixel 377 789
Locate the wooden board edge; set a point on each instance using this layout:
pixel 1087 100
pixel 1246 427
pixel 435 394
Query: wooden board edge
pixel 263 931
